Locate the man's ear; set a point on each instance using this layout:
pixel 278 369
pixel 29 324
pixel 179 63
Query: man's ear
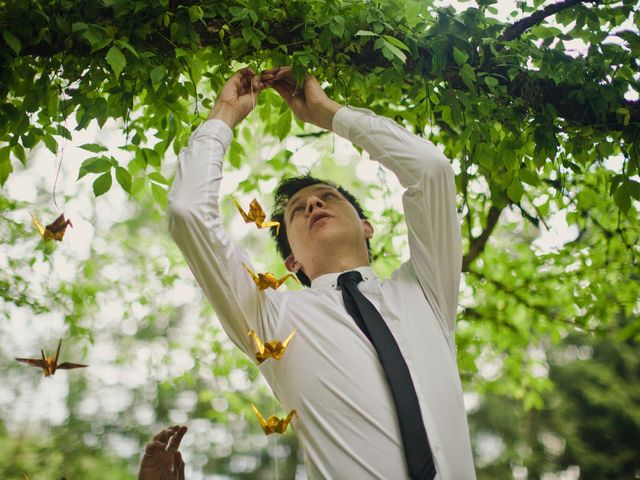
pixel 368 229
pixel 292 264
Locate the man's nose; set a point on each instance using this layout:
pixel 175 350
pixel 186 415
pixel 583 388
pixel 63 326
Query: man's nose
pixel 314 202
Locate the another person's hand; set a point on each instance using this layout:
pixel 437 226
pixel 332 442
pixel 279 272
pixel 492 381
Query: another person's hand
pixel 237 97
pixel 162 460
pixel 308 102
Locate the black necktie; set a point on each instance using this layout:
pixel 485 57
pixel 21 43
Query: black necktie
pixel 417 451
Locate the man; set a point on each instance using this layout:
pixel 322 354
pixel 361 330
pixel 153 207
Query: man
pixel 348 421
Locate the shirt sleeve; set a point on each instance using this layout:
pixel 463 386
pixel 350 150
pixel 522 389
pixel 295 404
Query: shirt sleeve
pixel 196 227
pixel 429 203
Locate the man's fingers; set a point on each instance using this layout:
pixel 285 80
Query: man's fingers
pixel 178 466
pixel 178 437
pixel 164 435
pixel 285 74
pixel 258 84
pixel 285 91
pixel 153 447
pixel 245 72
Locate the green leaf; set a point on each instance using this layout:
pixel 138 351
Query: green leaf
pixel 468 76
pixel 284 124
pixel 126 46
pixel 94 165
pixel 515 190
pixel 459 56
pixel 5 164
pixel 484 155
pixel 395 50
pixel 100 45
pixel 18 151
pixel 124 178
pixel 491 82
pixel 396 42
pixel 78 26
pixel 157 74
pixel 529 177
pixel 5 170
pixel 622 197
pixel 93 147
pixel 50 143
pixel 365 33
pixel 158 178
pixel 95 36
pixel 12 40
pixel 116 60
pixel 102 184
pixel 634 188
pixel 195 13
pixel 159 194
pixel 337 26
pixel 235 154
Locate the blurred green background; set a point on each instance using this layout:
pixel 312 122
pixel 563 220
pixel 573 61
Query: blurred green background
pixel 541 120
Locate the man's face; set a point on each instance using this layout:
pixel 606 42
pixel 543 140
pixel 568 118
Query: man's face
pixel 319 218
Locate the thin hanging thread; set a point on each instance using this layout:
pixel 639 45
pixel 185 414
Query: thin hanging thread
pixel 258 162
pixel 60 152
pixel 48 425
pixel 48 419
pixel 275 439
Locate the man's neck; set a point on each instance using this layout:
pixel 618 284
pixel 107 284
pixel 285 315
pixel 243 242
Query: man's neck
pixel 338 266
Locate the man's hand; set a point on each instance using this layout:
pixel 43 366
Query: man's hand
pixel 237 97
pixel 308 102
pixel 162 460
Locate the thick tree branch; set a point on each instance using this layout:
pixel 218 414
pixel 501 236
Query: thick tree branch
pixel 477 244
pixel 519 27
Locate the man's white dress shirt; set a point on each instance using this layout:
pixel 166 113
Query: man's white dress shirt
pixel 347 423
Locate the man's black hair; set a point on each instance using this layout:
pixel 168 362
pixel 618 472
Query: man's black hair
pixel 287 189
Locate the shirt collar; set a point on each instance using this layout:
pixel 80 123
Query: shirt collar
pixel 330 280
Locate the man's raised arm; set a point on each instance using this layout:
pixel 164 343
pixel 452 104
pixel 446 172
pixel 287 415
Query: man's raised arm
pixel 194 215
pixel 430 197
pixel 429 204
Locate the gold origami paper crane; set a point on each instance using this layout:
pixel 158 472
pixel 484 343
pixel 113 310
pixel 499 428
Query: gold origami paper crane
pixel 271 349
pixel 268 280
pixel 256 215
pixel 50 364
pixel 273 424
pixel 53 231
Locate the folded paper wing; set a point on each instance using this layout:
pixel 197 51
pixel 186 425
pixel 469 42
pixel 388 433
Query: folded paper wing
pixel 53 231
pixel 272 349
pixel 268 280
pixel 273 424
pixel 256 215
pixel 49 365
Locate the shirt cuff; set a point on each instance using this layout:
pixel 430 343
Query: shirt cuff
pixel 216 129
pixel 345 118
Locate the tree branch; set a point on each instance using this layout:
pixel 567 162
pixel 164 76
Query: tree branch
pixel 477 244
pixel 518 28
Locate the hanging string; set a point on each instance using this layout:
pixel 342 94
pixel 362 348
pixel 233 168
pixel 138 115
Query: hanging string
pixel 274 440
pixel 258 173
pixel 60 152
pixel 48 425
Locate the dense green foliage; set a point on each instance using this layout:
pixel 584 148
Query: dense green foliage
pixel 539 115
pixel 589 421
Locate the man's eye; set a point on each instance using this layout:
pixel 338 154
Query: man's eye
pixel 296 210
pixel 328 195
